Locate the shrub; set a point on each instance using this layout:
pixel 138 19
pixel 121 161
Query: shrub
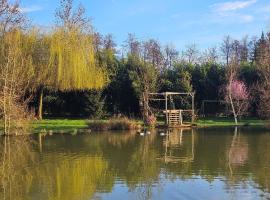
pixel 113 124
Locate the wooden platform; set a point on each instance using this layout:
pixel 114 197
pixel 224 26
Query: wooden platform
pixel 174 119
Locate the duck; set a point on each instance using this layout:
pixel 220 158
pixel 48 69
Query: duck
pixel 141 133
pixel 162 134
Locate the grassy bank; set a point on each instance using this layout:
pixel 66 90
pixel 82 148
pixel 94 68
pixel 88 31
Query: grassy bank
pixel 95 125
pixel 125 124
pixel 59 124
pixel 223 122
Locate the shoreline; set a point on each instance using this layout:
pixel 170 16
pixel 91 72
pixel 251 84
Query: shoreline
pixel 85 125
pixel 71 124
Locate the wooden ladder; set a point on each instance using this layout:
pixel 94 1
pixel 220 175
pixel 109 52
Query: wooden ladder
pixel 175 117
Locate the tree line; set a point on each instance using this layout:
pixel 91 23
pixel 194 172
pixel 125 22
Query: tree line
pixel 72 70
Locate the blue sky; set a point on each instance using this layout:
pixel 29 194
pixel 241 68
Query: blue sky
pixel 181 22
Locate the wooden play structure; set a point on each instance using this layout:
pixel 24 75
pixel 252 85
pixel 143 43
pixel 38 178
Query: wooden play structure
pixel 173 114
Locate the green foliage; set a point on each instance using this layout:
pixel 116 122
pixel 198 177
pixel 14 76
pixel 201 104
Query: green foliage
pixel 207 80
pixel 120 95
pixel 72 65
pixel 142 75
pixel 177 79
pixel 94 106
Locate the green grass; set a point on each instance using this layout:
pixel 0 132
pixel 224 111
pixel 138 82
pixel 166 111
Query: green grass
pixel 60 124
pixel 57 125
pixel 220 122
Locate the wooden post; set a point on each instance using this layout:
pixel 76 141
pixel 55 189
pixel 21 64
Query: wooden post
pixel 40 142
pixel 166 108
pixel 181 136
pixel 166 102
pixel 193 108
pixel 40 106
pixel 180 117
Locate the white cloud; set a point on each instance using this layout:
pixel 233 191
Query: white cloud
pixel 233 12
pixel 232 6
pixel 232 18
pixel 29 9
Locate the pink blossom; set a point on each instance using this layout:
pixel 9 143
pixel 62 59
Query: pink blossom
pixel 238 90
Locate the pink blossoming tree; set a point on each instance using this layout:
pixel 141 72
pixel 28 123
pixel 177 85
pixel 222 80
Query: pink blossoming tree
pixel 237 95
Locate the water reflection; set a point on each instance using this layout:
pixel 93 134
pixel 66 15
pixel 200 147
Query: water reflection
pixel 184 164
pixel 238 151
pixel 179 148
pixel 15 157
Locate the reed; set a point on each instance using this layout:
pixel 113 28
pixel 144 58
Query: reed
pixel 113 124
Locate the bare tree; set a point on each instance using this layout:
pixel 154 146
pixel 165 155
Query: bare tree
pixel 152 53
pixel 133 46
pixel 210 55
pixel 109 43
pixel 97 41
pixel 226 49
pixel 262 60
pixel 10 16
pixel 171 55
pixel 244 49
pixel 69 17
pixel 16 73
pixel 252 49
pixel 191 54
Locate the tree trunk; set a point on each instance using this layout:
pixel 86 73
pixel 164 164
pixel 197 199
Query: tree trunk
pixel 233 109
pixel 145 108
pixel 40 106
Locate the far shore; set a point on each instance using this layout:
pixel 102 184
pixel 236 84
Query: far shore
pixel 102 125
pixel 73 124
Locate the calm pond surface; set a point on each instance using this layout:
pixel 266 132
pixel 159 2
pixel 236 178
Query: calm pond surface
pixel 189 164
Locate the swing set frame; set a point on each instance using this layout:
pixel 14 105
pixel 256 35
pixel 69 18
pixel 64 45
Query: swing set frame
pixel 174 117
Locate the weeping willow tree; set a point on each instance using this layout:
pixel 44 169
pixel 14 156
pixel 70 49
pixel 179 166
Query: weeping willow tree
pixel 71 60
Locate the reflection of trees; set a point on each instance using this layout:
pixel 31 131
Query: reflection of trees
pixel 74 167
pixel 15 156
pixel 261 169
pixel 79 167
pixel 238 152
pixel 237 156
pixel 58 176
pixel 143 170
pixel 78 178
pixel 121 140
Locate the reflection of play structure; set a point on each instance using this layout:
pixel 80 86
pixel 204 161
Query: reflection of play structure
pixel 174 113
pixel 177 148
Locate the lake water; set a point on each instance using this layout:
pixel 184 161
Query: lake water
pixel 183 164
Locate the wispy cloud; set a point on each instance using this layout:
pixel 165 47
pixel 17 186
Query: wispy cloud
pixel 232 6
pixel 29 9
pixel 232 11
